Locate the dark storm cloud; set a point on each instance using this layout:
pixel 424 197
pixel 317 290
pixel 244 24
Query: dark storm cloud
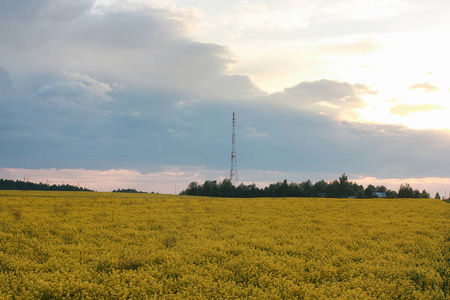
pixel 142 129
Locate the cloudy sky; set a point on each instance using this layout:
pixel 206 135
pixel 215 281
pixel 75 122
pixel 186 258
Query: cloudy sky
pixel 140 94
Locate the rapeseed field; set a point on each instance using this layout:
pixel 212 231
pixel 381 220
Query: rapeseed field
pixel 86 245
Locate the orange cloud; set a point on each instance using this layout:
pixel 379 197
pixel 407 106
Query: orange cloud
pixel 403 109
pixel 426 86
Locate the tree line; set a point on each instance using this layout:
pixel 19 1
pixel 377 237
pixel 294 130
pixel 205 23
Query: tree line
pixel 341 188
pixel 7 184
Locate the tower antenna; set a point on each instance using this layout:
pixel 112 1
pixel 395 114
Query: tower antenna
pixel 233 171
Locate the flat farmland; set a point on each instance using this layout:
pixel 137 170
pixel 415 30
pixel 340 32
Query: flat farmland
pixel 86 245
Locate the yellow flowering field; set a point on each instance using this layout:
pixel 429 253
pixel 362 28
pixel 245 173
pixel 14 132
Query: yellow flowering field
pixel 86 245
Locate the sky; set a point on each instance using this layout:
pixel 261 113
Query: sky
pixel 140 94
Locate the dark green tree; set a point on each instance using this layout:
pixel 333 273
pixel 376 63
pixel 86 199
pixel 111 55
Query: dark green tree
pixel 193 189
pixel 424 194
pixel 381 189
pixel 320 188
pixel 416 194
pixel 356 190
pixel 391 194
pixel 405 191
pixel 344 186
pixel 307 189
pixel 333 190
pixel 210 188
pixel 360 194
pixel 226 188
pixel 368 192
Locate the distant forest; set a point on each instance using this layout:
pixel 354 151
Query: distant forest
pixel 341 188
pixel 6 184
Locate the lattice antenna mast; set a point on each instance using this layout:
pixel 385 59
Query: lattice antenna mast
pixel 233 171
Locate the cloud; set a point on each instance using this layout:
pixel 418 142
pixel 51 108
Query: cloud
pixel 265 18
pixel 100 88
pixel 425 86
pixel 268 138
pixel 324 96
pixel 5 81
pixel 179 134
pixel 405 109
pixel 253 133
pixel 362 46
pixel 79 88
pixel 145 129
pixel 138 48
pixel 26 11
pixel 130 90
pixel 339 94
pixel 362 10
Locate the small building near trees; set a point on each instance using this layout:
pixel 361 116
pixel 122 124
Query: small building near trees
pixel 379 195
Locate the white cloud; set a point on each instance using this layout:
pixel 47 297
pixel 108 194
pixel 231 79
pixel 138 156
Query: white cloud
pixel 360 46
pixel 79 88
pixel 265 18
pixel 253 133
pixel 362 10
pixel 178 134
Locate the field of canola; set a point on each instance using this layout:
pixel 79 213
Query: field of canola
pixel 83 245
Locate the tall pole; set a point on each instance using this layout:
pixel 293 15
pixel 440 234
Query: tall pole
pixel 233 170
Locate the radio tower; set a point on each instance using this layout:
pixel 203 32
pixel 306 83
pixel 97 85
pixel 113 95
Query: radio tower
pixel 233 171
